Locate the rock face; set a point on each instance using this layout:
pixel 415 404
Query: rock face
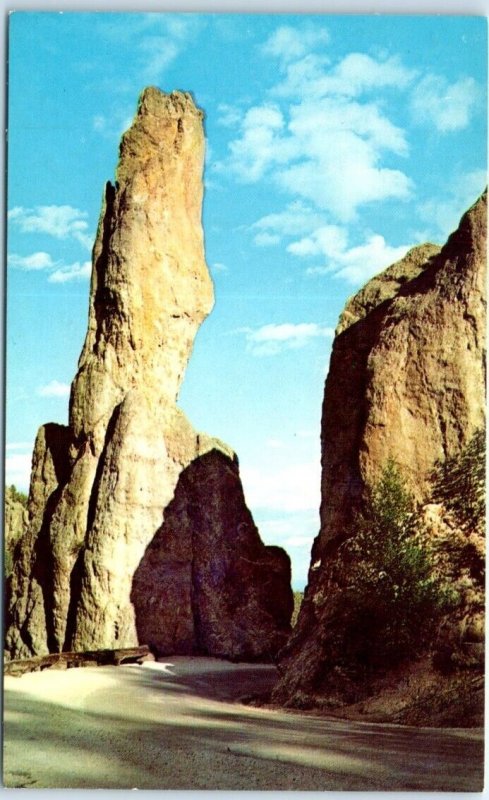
pixel 406 382
pixel 386 285
pixel 208 546
pixel 100 487
pixel 15 523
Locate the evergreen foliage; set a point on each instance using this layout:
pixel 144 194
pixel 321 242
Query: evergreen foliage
pixel 393 599
pixel 460 483
pixel 18 497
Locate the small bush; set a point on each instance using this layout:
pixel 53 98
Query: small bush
pixel 460 483
pixel 393 599
pixel 18 497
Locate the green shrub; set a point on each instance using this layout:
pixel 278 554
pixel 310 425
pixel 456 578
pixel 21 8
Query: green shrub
pixel 18 497
pixel 393 600
pixel 460 483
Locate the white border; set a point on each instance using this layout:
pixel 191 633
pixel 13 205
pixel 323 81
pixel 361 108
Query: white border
pixel 403 7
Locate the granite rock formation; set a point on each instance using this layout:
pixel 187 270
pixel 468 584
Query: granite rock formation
pixel 208 515
pixel 100 486
pixel 406 382
pixel 15 523
pixel 386 285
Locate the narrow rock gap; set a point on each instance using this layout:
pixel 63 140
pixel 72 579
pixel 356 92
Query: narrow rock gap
pixel 103 300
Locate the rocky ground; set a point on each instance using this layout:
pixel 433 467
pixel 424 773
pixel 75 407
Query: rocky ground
pixel 179 724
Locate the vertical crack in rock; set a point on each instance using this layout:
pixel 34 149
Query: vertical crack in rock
pixel 127 445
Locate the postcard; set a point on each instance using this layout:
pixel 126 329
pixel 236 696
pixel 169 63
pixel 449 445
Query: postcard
pixel 245 401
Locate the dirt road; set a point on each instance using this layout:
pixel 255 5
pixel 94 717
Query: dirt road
pixel 177 725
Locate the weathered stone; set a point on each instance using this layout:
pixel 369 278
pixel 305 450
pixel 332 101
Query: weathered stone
pixel 406 382
pixel 386 285
pixel 207 546
pixel 151 289
pixel 100 488
pixel 15 519
pixel 29 618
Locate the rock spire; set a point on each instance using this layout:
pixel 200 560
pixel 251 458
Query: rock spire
pixel 89 573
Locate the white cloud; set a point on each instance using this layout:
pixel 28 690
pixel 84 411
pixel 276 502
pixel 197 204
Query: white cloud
pixel 160 39
pixel 85 239
pixel 54 389
pixel 302 77
pixel 328 152
pixel 35 261
pixel 294 220
pixel 293 530
pixel 298 540
pixel 353 264
pixel 274 338
pixel 59 272
pixel 230 115
pixel 18 470
pixel 307 433
pixel 364 261
pixel 330 148
pixel 208 155
pixel 328 240
pixel 266 239
pixel 288 43
pixel 448 107
pixel 71 272
pixel 61 222
pixel 158 53
pixel 260 144
pixel 295 487
pixel 341 145
pixel 356 74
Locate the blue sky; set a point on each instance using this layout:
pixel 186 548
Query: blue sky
pixel 334 143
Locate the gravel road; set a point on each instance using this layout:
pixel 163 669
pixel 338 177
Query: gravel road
pixel 180 725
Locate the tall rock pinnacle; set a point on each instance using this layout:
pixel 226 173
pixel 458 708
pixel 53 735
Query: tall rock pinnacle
pixel 151 289
pixel 101 486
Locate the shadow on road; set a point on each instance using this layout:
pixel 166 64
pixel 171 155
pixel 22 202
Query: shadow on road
pixel 173 727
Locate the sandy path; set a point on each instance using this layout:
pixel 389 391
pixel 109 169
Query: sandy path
pixel 174 725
